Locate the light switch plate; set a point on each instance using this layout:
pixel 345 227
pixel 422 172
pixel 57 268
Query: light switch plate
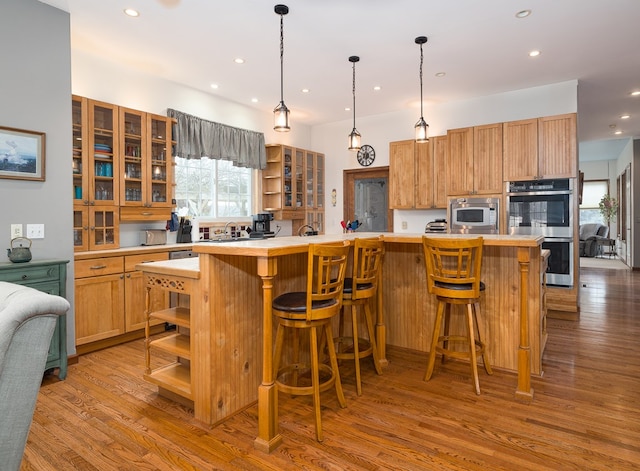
pixel 35 231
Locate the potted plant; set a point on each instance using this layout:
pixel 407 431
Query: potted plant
pixel 608 208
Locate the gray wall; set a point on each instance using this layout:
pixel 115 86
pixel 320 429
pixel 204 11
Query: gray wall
pixel 35 94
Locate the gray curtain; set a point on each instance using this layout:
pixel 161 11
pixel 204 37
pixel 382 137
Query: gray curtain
pixel 196 137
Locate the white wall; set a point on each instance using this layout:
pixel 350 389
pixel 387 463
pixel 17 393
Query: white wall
pixel 35 87
pixel 378 131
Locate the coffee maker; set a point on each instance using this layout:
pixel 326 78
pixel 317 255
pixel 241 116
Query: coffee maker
pixel 262 225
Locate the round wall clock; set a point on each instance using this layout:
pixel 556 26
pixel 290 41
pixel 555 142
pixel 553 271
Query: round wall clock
pixel 366 155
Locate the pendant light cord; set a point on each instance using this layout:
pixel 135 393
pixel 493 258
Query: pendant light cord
pixel 281 59
pixel 354 95
pixel 421 61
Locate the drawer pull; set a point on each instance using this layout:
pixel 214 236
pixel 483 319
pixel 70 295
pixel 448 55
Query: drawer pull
pixel 147 214
pixel 98 267
pixel 24 277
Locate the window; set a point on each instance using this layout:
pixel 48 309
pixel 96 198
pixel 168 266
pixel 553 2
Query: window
pixel 213 188
pixel 592 193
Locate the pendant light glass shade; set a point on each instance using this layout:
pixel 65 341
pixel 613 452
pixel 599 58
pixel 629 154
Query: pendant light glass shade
pixel 355 138
pixel 421 127
pixel 422 130
pixel 281 118
pixel 281 112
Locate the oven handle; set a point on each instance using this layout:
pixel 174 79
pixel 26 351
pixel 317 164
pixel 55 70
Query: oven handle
pixel 557 239
pixel 540 193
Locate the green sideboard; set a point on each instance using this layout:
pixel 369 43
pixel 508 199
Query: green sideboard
pixel 49 276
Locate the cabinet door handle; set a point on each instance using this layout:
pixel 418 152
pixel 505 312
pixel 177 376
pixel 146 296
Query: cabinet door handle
pixel 98 267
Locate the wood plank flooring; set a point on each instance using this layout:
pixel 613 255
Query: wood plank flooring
pixel 585 414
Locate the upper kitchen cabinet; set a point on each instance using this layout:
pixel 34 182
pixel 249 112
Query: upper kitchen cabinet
pixel 540 148
pixel 416 174
pixel 283 182
pixel 557 137
pixel 475 160
pixel 314 194
pixel 95 167
pixel 520 150
pixel 147 173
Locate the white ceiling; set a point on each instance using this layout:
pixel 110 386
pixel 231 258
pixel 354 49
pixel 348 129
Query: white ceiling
pixel 480 45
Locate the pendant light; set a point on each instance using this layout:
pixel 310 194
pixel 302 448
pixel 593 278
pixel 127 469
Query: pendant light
pixel 422 128
pixel 281 112
pixel 354 137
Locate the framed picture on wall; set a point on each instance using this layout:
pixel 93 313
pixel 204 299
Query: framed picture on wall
pixel 22 154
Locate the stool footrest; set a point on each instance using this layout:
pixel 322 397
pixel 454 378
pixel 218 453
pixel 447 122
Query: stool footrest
pixel 298 368
pixel 365 349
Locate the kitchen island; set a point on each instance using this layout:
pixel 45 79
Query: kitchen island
pixel 231 318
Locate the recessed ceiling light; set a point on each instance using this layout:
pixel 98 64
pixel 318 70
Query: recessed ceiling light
pixel 238 60
pixel 377 88
pixel 523 13
pixel 636 93
pixel 534 53
pixel 305 90
pixel 131 12
pixel 625 116
pixel 214 86
pixel 254 100
pixel 618 132
pixel 441 74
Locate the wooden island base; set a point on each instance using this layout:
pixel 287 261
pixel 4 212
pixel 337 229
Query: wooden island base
pixel 232 330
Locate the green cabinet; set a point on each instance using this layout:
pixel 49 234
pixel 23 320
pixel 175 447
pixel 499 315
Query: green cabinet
pixel 49 276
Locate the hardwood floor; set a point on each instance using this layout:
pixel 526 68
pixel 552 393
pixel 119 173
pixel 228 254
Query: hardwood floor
pixel 585 414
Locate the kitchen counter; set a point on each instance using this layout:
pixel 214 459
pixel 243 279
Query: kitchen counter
pixel 138 249
pixel 232 317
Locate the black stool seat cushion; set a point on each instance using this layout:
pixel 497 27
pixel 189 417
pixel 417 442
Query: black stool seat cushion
pixel 348 285
pixel 297 302
pixel 460 287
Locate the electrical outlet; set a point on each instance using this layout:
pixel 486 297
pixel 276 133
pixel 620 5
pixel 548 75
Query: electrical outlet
pixel 35 231
pixel 16 230
pixel 404 224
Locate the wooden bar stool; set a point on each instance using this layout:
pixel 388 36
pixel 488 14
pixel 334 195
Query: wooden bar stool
pixel 312 311
pixel 453 275
pixel 360 290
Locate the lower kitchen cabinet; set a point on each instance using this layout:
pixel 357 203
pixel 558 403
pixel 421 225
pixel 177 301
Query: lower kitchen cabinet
pixel 49 276
pixel 110 297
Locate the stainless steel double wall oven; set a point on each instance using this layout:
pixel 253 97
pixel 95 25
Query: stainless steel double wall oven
pixel 545 207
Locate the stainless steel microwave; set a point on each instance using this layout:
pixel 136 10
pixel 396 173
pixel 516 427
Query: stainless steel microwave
pixel 474 215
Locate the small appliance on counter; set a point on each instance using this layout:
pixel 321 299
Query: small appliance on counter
pixel 437 226
pixel 184 231
pixel 153 237
pixel 262 226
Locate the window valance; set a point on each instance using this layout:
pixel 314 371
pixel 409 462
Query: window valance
pixel 196 137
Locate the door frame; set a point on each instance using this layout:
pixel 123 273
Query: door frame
pixel 349 178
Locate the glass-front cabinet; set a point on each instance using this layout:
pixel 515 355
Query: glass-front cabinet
pixel 160 169
pixel 293 186
pixel 95 168
pixel 145 143
pixel 132 148
pixel 314 168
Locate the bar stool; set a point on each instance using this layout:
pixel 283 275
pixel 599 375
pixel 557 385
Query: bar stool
pixel 312 311
pixel 453 275
pixel 360 290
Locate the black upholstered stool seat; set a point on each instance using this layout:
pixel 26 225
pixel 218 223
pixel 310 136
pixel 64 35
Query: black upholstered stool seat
pixel 296 302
